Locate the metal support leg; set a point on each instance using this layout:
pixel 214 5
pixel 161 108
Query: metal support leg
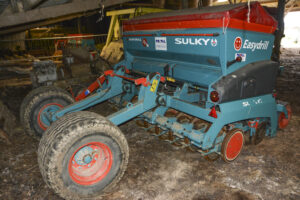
pixel 113 89
pixel 147 101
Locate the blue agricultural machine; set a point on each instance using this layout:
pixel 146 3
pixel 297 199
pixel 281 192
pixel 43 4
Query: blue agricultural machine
pixel 199 78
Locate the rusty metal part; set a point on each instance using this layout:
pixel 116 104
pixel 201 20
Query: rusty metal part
pixel 194 119
pixel 171 136
pixel 212 157
pixel 157 130
pixel 146 124
pixel 186 140
pixel 191 148
pixel 171 113
pixel 140 123
pixel 177 144
pixel 222 131
pixel 124 103
pixel 183 119
pixel 134 99
pixel 151 130
pixel 207 127
pixel 199 125
pixel 163 137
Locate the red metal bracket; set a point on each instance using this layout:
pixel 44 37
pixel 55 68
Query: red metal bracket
pixel 253 124
pixel 98 83
pixel 142 81
pixel 95 85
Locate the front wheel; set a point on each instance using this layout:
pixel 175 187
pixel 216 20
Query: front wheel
pixel 82 155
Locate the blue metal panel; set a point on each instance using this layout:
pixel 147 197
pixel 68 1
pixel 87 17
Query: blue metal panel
pixel 187 49
pixel 263 106
pixel 201 60
pixel 256 47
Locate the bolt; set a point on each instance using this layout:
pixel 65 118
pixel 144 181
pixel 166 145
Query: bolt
pixel 73 162
pixel 79 167
pixel 89 165
pixel 95 158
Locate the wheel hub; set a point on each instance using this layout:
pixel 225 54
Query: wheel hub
pixel 234 146
pixel 90 163
pixel 84 156
pixel 44 113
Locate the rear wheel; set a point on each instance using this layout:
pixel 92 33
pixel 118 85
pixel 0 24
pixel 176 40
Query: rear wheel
pixel 232 145
pixel 82 155
pixel 37 103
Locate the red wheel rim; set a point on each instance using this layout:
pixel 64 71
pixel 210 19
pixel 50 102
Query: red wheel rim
pixel 93 171
pixel 234 146
pixel 282 121
pixel 39 117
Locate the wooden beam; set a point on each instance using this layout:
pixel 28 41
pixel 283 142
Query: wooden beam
pixel 53 14
pixel 15 82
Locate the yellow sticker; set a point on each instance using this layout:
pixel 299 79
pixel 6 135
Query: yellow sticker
pixel 170 79
pixel 154 85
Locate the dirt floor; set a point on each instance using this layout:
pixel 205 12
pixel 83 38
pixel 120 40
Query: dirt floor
pixel 158 170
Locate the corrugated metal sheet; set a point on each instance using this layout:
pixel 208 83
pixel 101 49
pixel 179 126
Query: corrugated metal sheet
pixel 3 5
pixel 53 2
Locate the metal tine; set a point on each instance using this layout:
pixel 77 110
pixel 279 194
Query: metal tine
pixel 162 133
pixel 149 128
pixel 175 140
pixel 204 128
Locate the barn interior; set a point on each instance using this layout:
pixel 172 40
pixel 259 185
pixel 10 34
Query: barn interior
pixel 70 43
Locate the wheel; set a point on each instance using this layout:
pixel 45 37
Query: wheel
pixel 259 134
pixel 232 145
pixel 82 155
pixel 282 121
pixel 41 100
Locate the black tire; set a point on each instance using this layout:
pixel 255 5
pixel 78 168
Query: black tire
pixel 69 135
pixel 35 101
pixel 259 134
pixel 232 145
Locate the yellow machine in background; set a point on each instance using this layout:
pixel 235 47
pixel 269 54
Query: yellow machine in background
pixel 113 49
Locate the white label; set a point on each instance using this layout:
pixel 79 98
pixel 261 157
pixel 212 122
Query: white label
pixel 161 43
pixel 242 55
pixel 262 45
pixel 195 41
pixel 246 104
pixel 135 39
